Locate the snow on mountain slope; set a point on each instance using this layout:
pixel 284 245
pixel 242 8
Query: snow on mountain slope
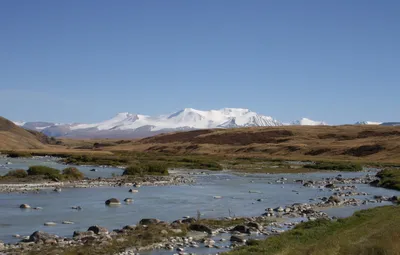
pixel 308 122
pixel 186 118
pixel 19 123
pixel 368 123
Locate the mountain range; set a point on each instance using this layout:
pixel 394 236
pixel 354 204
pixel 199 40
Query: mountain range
pixel 129 125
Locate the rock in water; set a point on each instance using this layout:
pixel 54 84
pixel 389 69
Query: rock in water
pixel 25 206
pixel 128 200
pixel 113 201
pixel 50 224
pixel 133 191
pixel 67 222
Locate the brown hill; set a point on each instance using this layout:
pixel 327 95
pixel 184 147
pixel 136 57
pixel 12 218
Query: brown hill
pixel 369 143
pixel 13 137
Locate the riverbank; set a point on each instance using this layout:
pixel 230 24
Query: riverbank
pixel 16 186
pixel 373 231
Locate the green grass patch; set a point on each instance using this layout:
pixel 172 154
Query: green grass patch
pixel 18 173
pixel 19 154
pixel 389 178
pixel 72 173
pixel 147 169
pixel 336 166
pixel 47 172
pixel 372 231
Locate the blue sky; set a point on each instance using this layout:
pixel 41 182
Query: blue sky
pixel 85 61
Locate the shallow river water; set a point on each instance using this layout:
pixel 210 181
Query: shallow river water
pixel 239 197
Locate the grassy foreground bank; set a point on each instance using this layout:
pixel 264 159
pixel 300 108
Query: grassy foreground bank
pixel 372 231
pixel 389 178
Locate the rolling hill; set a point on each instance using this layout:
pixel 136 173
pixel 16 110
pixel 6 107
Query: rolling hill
pixel 13 137
pixel 367 143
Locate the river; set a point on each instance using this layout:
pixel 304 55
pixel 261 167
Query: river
pixel 239 194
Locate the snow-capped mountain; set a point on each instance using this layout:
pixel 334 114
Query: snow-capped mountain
pixel 368 123
pixel 308 122
pixel 136 125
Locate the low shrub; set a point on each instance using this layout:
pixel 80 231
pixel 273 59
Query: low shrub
pixel 48 172
pixel 18 173
pixel 147 169
pixel 389 178
pixel 336 166
pixel 72 173
pixel 19 154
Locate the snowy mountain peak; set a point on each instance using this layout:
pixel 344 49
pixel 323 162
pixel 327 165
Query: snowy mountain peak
pixel 368 123
pixel 309 122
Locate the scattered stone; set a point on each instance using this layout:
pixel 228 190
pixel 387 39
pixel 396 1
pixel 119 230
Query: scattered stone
pixel 200 228
pixel 133 191
pixel 113 201
pixel 217 197
pixel 83 234
pixel 128 200
pixel 57 190
pixel 254 225
pixel 38 236
pixel 98 230
pixel 68 222
pixel 50 224
pixel 25 206
pixel 76 208
pixel 130 227
pixel 237 239
pixel 241 229
pixel 149 221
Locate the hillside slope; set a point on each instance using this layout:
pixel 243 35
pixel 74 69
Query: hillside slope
pixel 13 137
pixel 368 143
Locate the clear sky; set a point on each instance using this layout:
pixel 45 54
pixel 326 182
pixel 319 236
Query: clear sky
pixel 84 61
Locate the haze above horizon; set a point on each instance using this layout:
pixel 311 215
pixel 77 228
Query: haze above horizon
pixel 85 61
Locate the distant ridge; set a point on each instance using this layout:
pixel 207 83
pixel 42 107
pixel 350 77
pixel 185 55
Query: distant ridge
pixel 132 125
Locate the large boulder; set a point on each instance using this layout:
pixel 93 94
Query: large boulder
pixel 98 230
pixel 38 236
pixel 241 229
pixel 113 201
pixel 200 228
pixel 149 221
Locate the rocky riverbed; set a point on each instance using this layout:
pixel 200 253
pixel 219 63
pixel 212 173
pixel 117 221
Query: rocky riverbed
pixel 93 183
pixel 339 191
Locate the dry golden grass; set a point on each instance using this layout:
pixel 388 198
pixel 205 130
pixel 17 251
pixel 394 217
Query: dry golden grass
pixel 332 143
pixel 13 137
pixel 356 143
